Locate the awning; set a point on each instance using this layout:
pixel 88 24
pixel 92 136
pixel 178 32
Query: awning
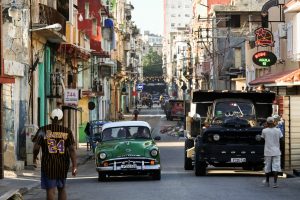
pixel 50 35
pixel 101 54
pixel 6 79
pixel 108 23
pixel 75 51
pixel 292 6
pixel 89 93
pixel 290 77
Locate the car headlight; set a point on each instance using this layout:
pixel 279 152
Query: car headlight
pixel 258 137
pixel 216 137
pixel 154 152
pixel 102 156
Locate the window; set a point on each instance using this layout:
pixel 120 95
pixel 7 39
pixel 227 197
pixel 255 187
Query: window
pixel 234 21
pixel 173 24
pixel 276 44
pixel 187 15
pixel 237 57
pixel 87 10
pixel 289 40
pixel 94 28
pixel 234 108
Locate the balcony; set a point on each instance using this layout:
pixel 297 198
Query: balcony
pixel 101 54
pixel 95 91
pixel 105 7
pixel 44 15
pixel 56 88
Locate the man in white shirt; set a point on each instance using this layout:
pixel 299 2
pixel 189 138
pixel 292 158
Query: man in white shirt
pixel 272 152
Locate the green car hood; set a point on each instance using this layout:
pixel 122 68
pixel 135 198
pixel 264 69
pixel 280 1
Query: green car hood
pixel 117 148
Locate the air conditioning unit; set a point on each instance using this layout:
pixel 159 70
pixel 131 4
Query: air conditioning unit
pixel 282 30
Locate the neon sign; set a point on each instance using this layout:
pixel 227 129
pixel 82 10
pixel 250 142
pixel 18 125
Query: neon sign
pixel 263 37
pixel 264 58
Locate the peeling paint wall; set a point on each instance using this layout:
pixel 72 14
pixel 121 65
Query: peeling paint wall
pixel 16 53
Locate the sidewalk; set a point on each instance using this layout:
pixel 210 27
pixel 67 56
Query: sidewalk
pixel 20 182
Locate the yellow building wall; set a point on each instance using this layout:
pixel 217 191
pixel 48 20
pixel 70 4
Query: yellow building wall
pixel 69 30
pixel 83 103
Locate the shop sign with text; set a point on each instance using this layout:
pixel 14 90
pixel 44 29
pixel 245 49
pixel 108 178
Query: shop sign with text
pixel 264 58
pixel 264 37
pixel 71 97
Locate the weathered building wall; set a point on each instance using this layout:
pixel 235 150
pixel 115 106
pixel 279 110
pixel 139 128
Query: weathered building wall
pixel 16 51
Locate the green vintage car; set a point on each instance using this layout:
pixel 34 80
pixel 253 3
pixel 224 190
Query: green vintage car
pixel 127 148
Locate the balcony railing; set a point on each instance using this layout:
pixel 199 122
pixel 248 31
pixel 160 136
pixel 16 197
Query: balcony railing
pixel 56 89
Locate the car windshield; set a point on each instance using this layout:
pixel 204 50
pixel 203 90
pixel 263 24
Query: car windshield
pixel 234 108
pixel 126 132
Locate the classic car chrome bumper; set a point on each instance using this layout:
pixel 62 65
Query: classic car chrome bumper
pixel 138 168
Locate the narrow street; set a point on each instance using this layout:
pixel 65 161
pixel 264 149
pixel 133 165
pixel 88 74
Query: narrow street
pixel 176 183
pixel 221 79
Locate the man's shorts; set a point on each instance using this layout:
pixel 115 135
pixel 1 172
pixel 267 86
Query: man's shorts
pixel 47 183
pixel 272 164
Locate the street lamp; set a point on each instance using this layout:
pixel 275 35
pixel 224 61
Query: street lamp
pixel 13 10
pixel 55 27
pixel 183 87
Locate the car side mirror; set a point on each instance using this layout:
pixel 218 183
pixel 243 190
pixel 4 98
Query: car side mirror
pixel 157 138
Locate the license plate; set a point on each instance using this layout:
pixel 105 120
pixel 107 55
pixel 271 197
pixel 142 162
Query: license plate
pixel 238 160
pixel 128 166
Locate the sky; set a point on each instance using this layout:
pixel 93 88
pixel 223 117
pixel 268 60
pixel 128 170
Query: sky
pixel 148 15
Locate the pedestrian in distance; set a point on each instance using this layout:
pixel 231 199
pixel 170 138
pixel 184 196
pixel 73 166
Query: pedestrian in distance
pixel 120 115
pixel 272 153
pixel 89 138
pixel 58 148
pixel 135 114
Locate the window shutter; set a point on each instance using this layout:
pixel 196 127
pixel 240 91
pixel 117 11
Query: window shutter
pixel 289 40
pixel 277 45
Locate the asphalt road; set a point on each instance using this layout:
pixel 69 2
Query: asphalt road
pixel 176 183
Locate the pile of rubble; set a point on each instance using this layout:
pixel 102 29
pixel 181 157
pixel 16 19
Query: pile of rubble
pixel 176 131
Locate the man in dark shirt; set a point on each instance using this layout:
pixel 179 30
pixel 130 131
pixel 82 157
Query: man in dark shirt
pixel 135 114
pixel 57 143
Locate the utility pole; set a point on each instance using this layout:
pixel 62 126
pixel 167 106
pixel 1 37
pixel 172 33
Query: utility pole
pixel 214 65
pixel 1 135
pixel 1 103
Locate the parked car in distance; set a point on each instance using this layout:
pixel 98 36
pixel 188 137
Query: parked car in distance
pixel 174 109
pixel 127 148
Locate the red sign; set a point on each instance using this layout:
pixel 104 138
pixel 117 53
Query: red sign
pixel 264 58
pixel 134 93
pixel 264 37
